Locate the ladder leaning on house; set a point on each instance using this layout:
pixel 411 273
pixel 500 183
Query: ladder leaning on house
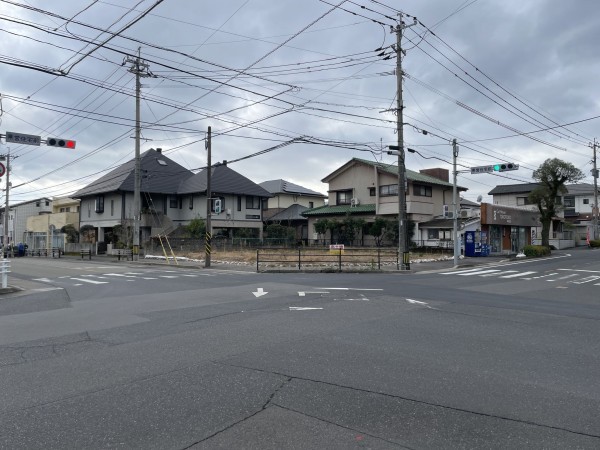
pixel 162 238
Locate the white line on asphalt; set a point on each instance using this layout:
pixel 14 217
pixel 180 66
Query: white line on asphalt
pixel 302 308
pixel 352 289
pixel 580 270
pixel 89 281
pixel 118 275
pixel 520 274
pixel 479 272
pixel 187 275
pixel 45 280
pixel 303 293
pixel 544 276
pixel 169 276
pixel 149 278
pixel 48 289
pixel 586 279
pixel 456 272
pixel 415 302
pixel 503 272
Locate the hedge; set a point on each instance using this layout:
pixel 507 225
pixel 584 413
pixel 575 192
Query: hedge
pixel 536 250
pixel 595 243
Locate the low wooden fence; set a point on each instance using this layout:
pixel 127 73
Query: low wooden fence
pixel 327 259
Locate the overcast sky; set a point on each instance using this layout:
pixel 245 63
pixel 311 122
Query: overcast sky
pixel 494 74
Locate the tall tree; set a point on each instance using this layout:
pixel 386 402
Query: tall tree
pixel 552 176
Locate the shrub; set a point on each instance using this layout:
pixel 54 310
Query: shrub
pixel 532 251
pixel 595 243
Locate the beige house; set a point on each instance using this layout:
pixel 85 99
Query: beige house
pixel 43 230
pixel 368 189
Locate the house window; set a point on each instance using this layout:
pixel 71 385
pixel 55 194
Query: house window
pixel 239 203
pixel 100 204
pixel 433 233
pixel 112 208
pixel 586 201
pixel 311 204
pixel 89 210
pixel 265 204
pixel 388 190
pixel 521 201
pixel 62 210
pixel 68 209
pixel 173 203
pixel 372 192
pixel 569 202
pixel 343 197
pixel 47 202
pixel 252 202
pixel 191 202
pixel 421 190
pixel 38 203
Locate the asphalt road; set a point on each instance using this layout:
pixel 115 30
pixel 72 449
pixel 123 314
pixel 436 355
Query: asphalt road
pixel 128 355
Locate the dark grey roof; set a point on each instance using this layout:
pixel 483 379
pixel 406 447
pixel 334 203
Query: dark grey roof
pixel 282 186
pixel 293 212
pixel 159 175
pixel 223 180
pixel 514 188
pixel 580 189
pixel 465 202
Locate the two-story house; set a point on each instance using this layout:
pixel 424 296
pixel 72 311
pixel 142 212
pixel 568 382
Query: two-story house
pixel 171 195
pixel 43 230
pixel 368 189
pixel 17 217
pixel 287 204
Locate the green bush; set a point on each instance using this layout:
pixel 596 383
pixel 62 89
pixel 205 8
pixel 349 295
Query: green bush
pixel 536 250
pixel 595 243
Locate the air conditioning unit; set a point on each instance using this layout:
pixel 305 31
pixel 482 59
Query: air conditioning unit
pixel 450 215
pixel 228 212
pixel 464 214
pixel 354 202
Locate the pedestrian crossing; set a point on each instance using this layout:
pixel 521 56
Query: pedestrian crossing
pixel 87 279
pixel 572 276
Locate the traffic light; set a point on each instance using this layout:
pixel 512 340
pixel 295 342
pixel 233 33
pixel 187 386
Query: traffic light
pixel 59 142
pixel 503 167
pixel 218 206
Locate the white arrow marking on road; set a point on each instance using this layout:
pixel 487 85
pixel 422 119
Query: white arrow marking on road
pixel 259 292
pixel 301 308
pixel 417 302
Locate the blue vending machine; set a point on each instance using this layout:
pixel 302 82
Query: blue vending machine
pixel 472 243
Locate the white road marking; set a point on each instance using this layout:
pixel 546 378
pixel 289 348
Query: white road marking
pixel 303 293
pixel 302 308
pixel 351 289
pixel 520 274
pixel 259 292
pixel 149 278
pixel 169 276
pixel 456 272
pixel 45 280
pixel 415 302
pixel 188 275
pixel 545 276
pixel 586 279
pixel 503 272
pixel 580 270
pixel 89 281
pixel 480 272
pixel 48 289
pixel 118 275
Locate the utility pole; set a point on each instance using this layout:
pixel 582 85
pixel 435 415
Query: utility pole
pixel 595 175
pixel 455 204
pixel 403 248
pixel 7 207
pixel 208 234
pixel 140 69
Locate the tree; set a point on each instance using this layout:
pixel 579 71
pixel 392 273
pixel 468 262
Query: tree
pixel 71 232
pixel 378 229
pixel 552 176
pixel 196 228
pixel 88 233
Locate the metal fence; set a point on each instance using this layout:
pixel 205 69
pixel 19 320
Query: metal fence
pixel 326 259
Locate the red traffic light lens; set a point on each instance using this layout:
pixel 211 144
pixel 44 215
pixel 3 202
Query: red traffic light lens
pixel 70 144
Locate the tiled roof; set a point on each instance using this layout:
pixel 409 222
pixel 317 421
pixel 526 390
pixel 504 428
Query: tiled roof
pixel 282 186
pixel 293 212
pixel 580 189
pixel 514 188
pixel 393 170
pixel 159 175
pixel 223 180
pixel 340 209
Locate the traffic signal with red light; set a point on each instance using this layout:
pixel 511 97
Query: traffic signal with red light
pixel 59 142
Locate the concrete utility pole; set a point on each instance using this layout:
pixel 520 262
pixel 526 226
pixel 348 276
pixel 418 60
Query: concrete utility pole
pixel 403 248
pixel 7 207
pixel 595 175
pixel 208 234
pixel 141 69
pixel 455 204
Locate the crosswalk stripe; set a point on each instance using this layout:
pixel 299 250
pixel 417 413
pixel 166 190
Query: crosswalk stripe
pixel 89 281
pixel 515 275
pixel 499 273
pixel 458 272
pixel 585 280
pixel 169 276
pixel 480 272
